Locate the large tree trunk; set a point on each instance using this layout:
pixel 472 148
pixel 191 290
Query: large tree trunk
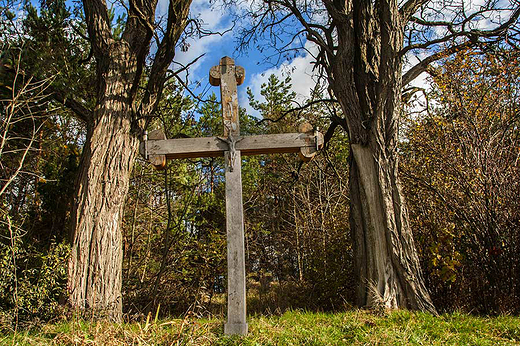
pixel 386 262
pixel 366 79
pixel 96 259
pixel 95 267
pixel 385 258
pixel 123 109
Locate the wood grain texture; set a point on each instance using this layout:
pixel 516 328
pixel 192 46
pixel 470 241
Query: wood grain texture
pixel 236 316
pixel 157 160
pixel 214 147
pixel 225 75
pixel 308 152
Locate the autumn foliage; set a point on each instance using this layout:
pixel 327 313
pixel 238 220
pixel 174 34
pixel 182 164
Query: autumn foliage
pixel 461 167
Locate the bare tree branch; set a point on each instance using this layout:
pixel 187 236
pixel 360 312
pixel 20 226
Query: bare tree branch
pixel 177 19
pixel 421 67
pixel 472 35
pixel 138 32
pixel 295 109
pixel 410 7
pixel 82 113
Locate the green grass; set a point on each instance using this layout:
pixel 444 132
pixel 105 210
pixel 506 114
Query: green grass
pixel 356 327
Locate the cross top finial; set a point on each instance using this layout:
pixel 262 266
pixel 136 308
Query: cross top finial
pixel 228 76
pixel 227 65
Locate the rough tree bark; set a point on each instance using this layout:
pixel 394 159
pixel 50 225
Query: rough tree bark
pixel 95 271
pixel 113 131
pixel 387 266
pixel 385 258
pixel 101 188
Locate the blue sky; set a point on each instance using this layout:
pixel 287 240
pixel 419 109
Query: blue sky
pixel 215 47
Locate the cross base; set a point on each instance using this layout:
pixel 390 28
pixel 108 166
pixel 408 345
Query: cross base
pixel 235 328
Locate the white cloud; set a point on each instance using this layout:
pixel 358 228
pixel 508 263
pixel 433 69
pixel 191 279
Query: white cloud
pixel 300 70
pixel 213 19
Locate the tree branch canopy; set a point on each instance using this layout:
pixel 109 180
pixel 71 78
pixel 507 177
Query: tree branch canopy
pixel 422 22
pixel 138 32
pixel 460 37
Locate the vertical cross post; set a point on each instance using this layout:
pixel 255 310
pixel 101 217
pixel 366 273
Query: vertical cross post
pixel 228 76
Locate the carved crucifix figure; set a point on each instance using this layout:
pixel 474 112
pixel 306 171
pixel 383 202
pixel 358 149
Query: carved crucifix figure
pixel 156 148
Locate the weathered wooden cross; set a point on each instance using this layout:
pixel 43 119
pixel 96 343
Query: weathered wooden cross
pixel 156 148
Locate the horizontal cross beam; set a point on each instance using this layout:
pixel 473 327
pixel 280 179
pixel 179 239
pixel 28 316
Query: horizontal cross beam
pixel 183 148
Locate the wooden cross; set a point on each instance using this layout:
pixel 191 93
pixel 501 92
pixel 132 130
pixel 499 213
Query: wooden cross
pixel 156 148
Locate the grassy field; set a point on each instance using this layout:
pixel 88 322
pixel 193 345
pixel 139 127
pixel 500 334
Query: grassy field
pixel 356 327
